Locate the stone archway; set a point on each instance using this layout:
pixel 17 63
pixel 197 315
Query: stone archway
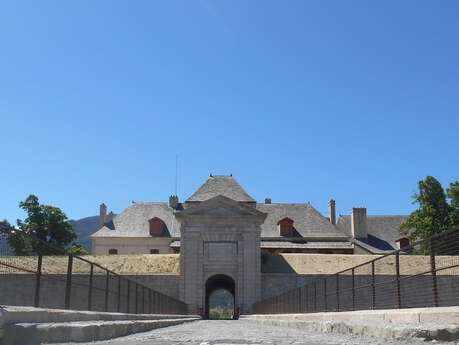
pixel 220 282
pixel 219 236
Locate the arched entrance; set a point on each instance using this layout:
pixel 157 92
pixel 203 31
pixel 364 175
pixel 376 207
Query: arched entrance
pixel 220 289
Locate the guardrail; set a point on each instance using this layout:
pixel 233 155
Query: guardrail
pixel 53 278
pixel 423 274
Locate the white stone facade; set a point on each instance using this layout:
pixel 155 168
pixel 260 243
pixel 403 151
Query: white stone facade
pixel 131 245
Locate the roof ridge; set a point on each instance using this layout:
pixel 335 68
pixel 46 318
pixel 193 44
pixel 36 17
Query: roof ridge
pixel 378 215
pixel 220 185
pixel 388 215
pixel 285 203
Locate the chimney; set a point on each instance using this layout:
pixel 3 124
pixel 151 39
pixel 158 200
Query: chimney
pixel 267 200
pixel 359 222
pixel 173 201
pixel 102 214
pixel 332 211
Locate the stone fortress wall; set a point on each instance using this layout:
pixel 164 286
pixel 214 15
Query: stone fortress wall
pixel 153 264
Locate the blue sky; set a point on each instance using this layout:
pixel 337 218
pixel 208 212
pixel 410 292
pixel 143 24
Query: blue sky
pixel 299 100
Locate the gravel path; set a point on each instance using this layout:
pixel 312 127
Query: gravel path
pixel 242 332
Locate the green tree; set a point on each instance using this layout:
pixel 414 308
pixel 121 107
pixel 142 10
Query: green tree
pixel 16 240
pixel 47 223
pixel 5 227
pixel 453 195
pixel 77 249
pixel 434 214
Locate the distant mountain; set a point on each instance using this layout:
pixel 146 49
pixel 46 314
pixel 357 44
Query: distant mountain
pixel 84 228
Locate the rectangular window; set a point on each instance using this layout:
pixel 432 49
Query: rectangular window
pixel 112 251
pixel 154 251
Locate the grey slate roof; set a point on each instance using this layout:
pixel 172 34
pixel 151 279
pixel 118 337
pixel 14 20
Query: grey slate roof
pixel 221 185
pixel 133 221
pixel 308 222
pixel 383 231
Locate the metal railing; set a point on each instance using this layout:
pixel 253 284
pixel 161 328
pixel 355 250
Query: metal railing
pixel 423 274
pixel 52 278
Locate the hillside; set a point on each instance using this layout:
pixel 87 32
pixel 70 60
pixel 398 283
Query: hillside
pixel 84 227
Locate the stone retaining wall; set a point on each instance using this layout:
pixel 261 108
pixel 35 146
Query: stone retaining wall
pixel 170 264
pixel 280 273
pixel 19 289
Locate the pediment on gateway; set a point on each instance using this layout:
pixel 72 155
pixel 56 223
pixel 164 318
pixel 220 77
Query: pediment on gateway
pixel 222 211
pixel 221 206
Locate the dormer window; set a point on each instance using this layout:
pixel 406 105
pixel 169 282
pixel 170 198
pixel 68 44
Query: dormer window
pixel 156 227
pixel 286 227
pixel 403 243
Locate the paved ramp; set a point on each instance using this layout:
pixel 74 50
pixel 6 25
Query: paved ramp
pixel 209 332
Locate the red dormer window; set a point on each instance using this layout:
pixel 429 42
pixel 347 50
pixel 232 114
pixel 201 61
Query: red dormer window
pixel 286 227
pixel 403 243
pixel 156 227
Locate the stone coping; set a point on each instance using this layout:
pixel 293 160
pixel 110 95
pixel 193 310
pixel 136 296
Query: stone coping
pixel 440 323
pixel 446 315
pixel 16 314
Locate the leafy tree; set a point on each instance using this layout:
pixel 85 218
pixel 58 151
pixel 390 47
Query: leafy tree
pixel 15 239
pixel 5 227
pixel 434 214
pixel 453 195
pixel 77 249
pixel 46 223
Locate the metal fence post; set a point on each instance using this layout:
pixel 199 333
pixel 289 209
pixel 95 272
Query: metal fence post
pixel 315 296
pixel 280 304
pixel 107 277
pixel 118 306
pixel 68 285
pixel 397 273
pixel 91 275
pixel 38 280
pixel 143 299
pixel 325 293
pixel 353 289
pixel 373 286
pixel 337 291
pixel 307 298
pixel 160 304
pixel 301 297
pixel 149 301
pixel 433 272
pixel 295 300
pixel 128 296
pixel 136 298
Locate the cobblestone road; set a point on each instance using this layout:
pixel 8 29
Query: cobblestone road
pixel 242 332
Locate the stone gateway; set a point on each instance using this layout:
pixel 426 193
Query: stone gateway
pixel 220 247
